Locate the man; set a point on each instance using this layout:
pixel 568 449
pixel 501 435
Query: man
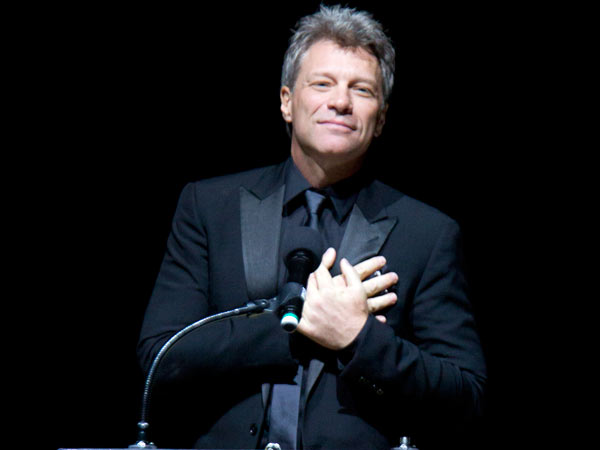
pixel 374 357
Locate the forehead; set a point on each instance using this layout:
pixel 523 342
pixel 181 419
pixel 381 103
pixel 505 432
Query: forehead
pixel 327 56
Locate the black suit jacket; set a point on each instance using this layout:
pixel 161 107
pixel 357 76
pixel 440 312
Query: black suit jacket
pixel 425 363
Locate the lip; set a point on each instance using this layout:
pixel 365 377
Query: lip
pixel 337 124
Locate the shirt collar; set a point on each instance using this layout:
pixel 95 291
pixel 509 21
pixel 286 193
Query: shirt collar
pixel 342 194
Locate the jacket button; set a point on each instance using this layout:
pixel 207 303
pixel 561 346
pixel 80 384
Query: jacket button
pixel 253 430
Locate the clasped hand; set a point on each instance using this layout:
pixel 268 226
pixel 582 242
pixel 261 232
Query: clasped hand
pixel 337 308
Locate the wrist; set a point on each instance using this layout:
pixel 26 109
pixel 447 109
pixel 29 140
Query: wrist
pixel 346 353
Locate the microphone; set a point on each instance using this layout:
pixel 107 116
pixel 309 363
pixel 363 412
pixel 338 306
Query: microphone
pixel 302 247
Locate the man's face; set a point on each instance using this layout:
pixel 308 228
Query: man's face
pixel 336 104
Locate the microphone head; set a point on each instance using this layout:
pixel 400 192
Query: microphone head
pixel 305 239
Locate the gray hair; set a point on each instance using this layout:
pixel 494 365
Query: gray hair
pixel 347 27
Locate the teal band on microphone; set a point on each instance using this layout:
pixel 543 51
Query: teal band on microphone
pixel 289 322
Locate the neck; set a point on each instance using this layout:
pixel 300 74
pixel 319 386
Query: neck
pixel 322 172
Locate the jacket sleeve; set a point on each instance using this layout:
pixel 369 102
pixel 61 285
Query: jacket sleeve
pixel 181 296
pixel 438 360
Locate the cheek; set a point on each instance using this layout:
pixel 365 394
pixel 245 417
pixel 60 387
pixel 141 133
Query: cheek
pixel 313 108
pixel 308 105
pixel 371 122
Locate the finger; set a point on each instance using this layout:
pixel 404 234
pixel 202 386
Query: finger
pixel 370 266
pixel 328 258
pixel 376 304
pixel 311 283
pixel 323 277
pixel 350 274
pixel 380 283
pixel 382 319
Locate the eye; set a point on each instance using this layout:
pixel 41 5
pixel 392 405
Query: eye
pixel 364 90
pixel 321 84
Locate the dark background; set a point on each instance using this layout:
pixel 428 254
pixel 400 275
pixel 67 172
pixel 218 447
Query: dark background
pixel 124 105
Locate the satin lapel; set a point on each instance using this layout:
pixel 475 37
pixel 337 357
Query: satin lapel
pixel 315 368
pixel 260 212
pixel 261 226
pixel 266 393
pixel 362 239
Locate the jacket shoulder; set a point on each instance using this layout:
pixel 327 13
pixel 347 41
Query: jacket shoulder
pixel 220 187
pixel 410 209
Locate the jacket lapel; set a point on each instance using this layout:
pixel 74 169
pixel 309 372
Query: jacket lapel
pixel 362 238
pixel 260 214
pixel 260 219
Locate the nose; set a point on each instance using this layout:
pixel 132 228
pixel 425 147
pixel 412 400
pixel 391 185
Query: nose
pixel 341 100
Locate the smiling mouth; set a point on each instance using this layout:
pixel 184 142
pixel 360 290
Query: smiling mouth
pixel 340 125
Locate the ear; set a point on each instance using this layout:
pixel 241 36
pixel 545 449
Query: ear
pixel 380 120
pixel 286 103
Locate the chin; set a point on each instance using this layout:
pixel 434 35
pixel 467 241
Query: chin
pixel 338 147
pixel 333 150
pixel 340 156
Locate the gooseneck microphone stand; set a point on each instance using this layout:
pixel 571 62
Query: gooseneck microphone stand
pixel 251 308
pixel 302 245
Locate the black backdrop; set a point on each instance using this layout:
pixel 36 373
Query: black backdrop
pixel 127 104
